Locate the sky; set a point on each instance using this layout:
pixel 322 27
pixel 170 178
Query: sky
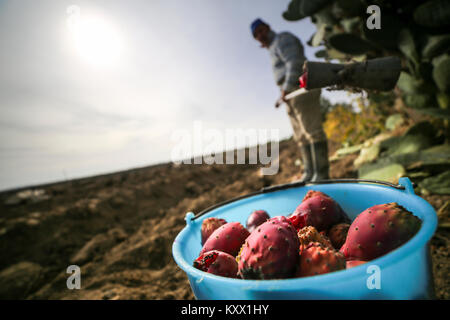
pixel 109 93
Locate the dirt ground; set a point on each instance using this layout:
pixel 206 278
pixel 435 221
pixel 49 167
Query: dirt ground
pixel 119 229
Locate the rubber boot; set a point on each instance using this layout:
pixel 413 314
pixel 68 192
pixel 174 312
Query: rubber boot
pixel 319 153
pixel 305 152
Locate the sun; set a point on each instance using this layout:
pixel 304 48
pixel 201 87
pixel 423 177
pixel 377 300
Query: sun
pixel 95 40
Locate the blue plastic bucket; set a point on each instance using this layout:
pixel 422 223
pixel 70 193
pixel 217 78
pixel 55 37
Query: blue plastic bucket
pixel 404 273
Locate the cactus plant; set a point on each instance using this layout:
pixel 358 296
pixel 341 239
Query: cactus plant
pixel 350 44
pixel 420 100
pixel 439 184
pixel 433 14
pixel 350 25
pixel 368 154
pixel 293 12
pixel 325 15
pixel 436 112
pixel 407 46
pixel 318 37
pixel 436 45
pixel 387 36
pixel 391 172
pixel 409 84
pixel 310 7
pixel 441 72
pixel 321 54
pixel 348 8
pixel 416 31
pixel 410 143
pixel 393 121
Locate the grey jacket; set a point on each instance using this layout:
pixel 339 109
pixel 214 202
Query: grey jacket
pixel 287 56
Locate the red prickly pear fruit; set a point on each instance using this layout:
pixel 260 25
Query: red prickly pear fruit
pixel 256 218
pixel 318 210
pixel 317 259
pixel 303 80
pixel 280 219
pixel 379 230
pixel 270 252
pixel 209 225
pixel 218 263
pixel 227 238
pixel 354 263
pixel 337 234
pixel 310 234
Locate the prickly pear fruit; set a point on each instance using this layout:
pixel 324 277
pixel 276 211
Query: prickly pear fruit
pixel 337 234
pixel 303 80
pixel 310 234
pixel 218 263
pixel 354 263
pixel 318 210
pixel 256 218
pixel 209 225
pixel 318 259
pixel 378 230
pixel 227 238
pixel 270 252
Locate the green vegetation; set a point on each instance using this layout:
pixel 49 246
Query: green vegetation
pixel 404 132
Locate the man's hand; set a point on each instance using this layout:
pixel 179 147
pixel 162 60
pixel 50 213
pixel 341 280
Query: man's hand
pixel 281 100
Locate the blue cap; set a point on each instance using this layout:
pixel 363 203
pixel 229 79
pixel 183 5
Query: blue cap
pixel 255 24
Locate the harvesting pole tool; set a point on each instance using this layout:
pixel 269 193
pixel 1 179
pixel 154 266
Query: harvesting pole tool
pixel 379 74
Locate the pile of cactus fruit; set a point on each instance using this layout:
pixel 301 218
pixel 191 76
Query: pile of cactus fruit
pixel 317 238
pixel 416 31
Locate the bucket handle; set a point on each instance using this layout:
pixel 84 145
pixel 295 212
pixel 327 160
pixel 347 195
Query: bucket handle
pixel 404 184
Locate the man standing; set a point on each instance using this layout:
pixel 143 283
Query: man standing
pixel 287 54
